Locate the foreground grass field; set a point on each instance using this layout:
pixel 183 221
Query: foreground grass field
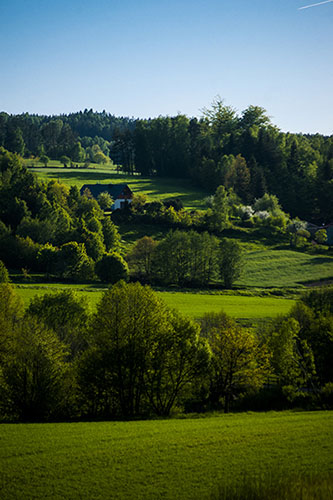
pixel 171 459
pixel 154 188
pixel 195 305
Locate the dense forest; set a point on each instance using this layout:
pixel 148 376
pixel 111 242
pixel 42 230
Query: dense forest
pixel 244 152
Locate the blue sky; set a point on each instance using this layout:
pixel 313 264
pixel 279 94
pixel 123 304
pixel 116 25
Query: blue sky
pixel 148 57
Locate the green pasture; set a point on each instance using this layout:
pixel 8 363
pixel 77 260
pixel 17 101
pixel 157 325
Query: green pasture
pixel 169 459
pixel 155 188
pixel 246 308
pixel 284 268
pixel 195 305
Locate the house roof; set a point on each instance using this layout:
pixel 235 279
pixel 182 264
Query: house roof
pixel 114 190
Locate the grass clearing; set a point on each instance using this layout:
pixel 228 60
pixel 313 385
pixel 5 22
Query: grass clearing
pixel 284 268
pixel 155 188
pixel 194 305
pixel 243 308
pixel 187 459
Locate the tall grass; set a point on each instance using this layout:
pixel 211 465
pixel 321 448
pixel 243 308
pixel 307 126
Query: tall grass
pixel 277 486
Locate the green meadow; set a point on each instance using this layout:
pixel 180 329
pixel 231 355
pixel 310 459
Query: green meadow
pixel 195 305
pixel 169 459
pixel 155 188
pixel 284 268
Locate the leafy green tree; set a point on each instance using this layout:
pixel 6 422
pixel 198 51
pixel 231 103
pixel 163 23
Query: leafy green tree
pixel 64 313
pixel 141 257
pixel 110 234
pixel 142 357
pixel 128 320
pixel 45 160
pixel 177 365
pixel 218 217
pixel 65 160
pixel 74 263
pixel 267 202
pixel 231 261
pixel 321 236
pixel 15 141
pixel 11 312
pixel 292 358
pixel 238 363
pixel 112 268
pixel 77 152
pixel 4 277
pixel 105 201
pixel 47 258
pixel 33 372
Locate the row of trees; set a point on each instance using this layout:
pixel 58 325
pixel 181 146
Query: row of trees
pixel 244 152
pixel 135 357
pixel 83 136
pixel 186 258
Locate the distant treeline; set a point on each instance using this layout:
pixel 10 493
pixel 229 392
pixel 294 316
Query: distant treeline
pixel 245 152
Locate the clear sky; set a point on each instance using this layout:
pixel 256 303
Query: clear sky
pixel 145 58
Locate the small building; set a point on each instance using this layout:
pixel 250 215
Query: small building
pixel 120 193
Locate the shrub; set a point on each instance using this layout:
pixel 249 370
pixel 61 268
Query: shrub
pixel 112 268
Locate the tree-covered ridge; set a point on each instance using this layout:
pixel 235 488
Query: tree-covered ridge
pixel 245 152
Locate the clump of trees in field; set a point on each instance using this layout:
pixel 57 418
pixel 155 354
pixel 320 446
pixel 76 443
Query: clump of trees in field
pixel 135 357
pixel 186 258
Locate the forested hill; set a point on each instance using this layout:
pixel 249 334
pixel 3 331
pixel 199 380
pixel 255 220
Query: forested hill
pixel 245 151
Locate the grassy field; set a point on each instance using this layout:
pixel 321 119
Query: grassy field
pixel 154 188
pixel 284 268
pixel 244 308
pixel 240 307
pixel 169 459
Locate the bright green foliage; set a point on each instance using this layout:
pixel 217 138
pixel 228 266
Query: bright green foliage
pixel 11 312
pixel 238 361
pixel 44 159
pixel 110 234
pixel 292 359
pixel 186 257
pixel 112 268
pixel 321 236
pixel 65 314
pixel 142 357
pixel 74 263
pixel 47 258
pixel 4 278
pixel 65 160
pixel 231 261
pixel 105 201
pixel 218 217
pixel 141 257
pixel 178 363
pixel 267 202
pixel 32 373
